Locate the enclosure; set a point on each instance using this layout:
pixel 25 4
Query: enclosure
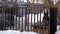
pixel 28 16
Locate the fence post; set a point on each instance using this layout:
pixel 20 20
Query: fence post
pixel 53 20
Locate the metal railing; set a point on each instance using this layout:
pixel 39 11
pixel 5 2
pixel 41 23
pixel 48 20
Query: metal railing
pixel 24 19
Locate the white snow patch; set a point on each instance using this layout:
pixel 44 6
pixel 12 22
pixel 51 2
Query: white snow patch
pixel 10 32
pixel 29 32
pixel 16 32
pixel 58 29
pixel 57 32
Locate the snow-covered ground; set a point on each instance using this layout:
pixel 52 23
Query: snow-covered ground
pixel 25 32
pixel 30 16
pixel 58 29
pixel 57 32
pixel 16 32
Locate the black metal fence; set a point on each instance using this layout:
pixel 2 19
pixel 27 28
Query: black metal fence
pixel 25 19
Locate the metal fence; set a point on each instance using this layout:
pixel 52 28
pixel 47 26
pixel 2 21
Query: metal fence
pixel 25 19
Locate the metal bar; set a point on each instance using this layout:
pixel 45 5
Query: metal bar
pixel 22 20
pixel 9 16
pixel 49 23
pixel 28 19
pixel 4 15
pixel 31 19
pixel 2 20
pixel 16 19
pixel 25 17
pixel 40 19
pixel 19 17
pixel 53 20
pixel 33 12
pixel 37 19
pixel 13 18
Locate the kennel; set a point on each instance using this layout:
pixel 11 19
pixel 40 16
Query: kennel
pixel 28 17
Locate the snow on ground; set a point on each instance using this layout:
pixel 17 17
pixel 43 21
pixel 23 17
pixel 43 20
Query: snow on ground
pixel 9 32
pixel 57 32
pixel 30 16
pixel 24 32
pixel 16 32
pixel 58 29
